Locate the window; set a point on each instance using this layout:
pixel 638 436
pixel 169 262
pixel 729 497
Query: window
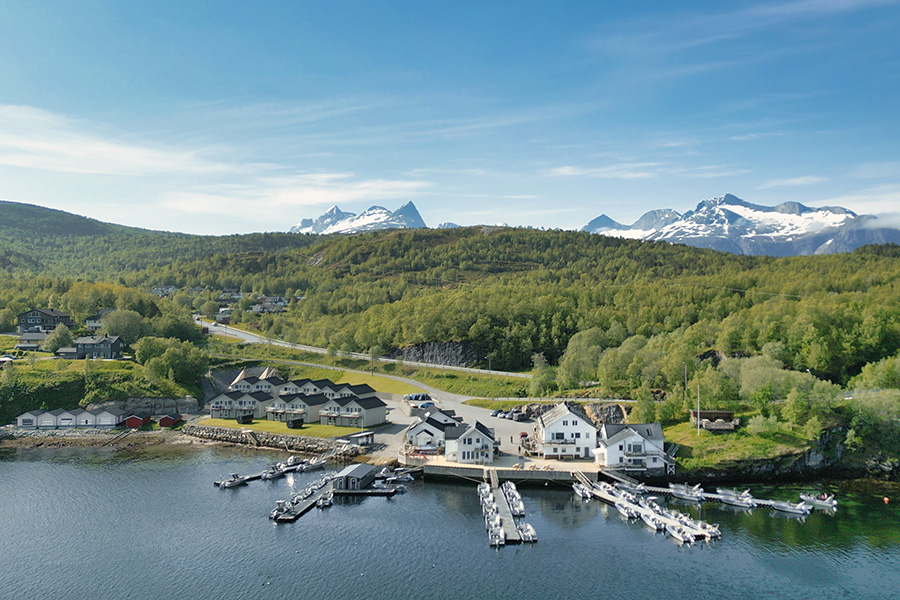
pixel 565 423
pixel 577 435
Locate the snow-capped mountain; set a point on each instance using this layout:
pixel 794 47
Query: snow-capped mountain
pixel 732 225
pixel 377 217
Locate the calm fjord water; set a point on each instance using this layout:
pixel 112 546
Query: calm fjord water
pixel 101 525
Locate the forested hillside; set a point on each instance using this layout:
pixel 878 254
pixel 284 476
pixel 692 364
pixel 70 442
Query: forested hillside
pixel 55 243
pixel 514 293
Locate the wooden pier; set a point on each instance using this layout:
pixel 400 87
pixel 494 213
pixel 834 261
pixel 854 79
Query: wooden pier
pixel 510 531
pixel 304 506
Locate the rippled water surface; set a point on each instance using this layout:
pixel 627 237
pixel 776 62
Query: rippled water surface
pixel 101 525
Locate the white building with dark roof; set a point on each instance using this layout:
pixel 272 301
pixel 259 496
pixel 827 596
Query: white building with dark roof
pixel 634 447
pixel 561 433
pixel 470 444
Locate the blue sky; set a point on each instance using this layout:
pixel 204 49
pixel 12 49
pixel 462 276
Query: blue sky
pixel 230 117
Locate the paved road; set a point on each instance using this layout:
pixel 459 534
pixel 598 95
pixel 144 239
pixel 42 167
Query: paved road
pixel 254 338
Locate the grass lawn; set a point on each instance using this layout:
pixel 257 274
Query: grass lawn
pixel 479 385
pixel 313 430
pixel 717 450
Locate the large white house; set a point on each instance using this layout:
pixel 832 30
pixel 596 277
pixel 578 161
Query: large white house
pixel 562 433
pixel 470 444
pixel 350 411
pixel 635 447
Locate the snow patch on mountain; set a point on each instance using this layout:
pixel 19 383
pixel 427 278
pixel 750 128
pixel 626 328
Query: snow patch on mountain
pixel 374 218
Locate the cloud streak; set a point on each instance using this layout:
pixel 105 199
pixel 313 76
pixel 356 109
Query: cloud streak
pixel 793 182
pixel 32 138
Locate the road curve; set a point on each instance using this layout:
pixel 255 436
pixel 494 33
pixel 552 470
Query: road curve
pixel 254 338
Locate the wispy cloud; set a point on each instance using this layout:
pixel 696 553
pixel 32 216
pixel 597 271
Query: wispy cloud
pixel 37 139
pixel 638 170
pixel 877 170
pixel 272 196
pixel 793 182
pixel 874 200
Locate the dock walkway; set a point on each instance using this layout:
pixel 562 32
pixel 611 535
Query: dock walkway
pixel 670 518
pixel 507 522
pixel 301 508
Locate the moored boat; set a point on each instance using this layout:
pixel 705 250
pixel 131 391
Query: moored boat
pixel 581 491
pixel 801 508
pixel 652 522
pixel 679 533
pixel 683 491
pixel 626 511
pixel 233 481
pixel 822 500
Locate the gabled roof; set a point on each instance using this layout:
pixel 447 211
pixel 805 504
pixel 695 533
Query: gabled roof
pixel 50 312
pixel 230 395
pixel 33 337
pixel 612 433
pixel 556 413
pixel 361 388
pixel 34 413
pixel 261 396
pixel 97 339
pixel 358 470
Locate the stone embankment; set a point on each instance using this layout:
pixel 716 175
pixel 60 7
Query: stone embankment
pixel 292 443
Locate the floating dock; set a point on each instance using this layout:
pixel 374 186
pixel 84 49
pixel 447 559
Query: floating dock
pixel 670 518
pixel 303 506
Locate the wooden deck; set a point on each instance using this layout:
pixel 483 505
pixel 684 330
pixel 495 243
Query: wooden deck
pixel 304 506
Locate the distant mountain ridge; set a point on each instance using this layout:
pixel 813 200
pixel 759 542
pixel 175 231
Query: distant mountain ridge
pixel 729 224
pixel 334 220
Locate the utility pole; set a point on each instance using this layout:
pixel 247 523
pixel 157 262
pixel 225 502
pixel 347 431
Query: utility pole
pixel 698 409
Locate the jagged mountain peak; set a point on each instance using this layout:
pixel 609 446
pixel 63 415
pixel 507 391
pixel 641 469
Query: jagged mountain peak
pixel 373 218
pixel 730 224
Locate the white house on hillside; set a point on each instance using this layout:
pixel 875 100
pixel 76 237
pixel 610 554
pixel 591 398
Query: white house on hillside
pixel 635 447
pixel 561 433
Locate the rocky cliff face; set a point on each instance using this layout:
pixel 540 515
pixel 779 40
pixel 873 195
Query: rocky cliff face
pixel 823 458
pixel 148 407
pixel 454 354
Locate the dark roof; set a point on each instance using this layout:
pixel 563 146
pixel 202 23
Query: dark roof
pixel 34 413
pixel 484 429
pixel 232 395
pixel 33 337
pixel 50 312
pixel 361 388
pixel 97 339
pixel 452 432
pixel 321 383
pixel 358 471
pixel 261 396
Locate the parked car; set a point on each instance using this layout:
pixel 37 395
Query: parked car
pixel 496 412
pixel 426 404
pixel 501 415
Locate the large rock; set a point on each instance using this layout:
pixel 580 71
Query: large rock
pixel 453 354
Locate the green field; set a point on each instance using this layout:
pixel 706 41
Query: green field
pixel 312 430
pixel 718 450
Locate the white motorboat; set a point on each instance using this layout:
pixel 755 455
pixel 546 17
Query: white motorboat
pixel 626 511
pixel 581 491
pixel 652 522
pixel 683 491
pixel 233 481
pixel 801 508
pixel 822 500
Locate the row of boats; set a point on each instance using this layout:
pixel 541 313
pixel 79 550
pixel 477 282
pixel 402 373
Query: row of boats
pixel 744 499
pixel 294 464
pixel 287 510
pixel 634 505
pixel 493 522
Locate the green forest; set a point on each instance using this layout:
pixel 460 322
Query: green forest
pixel 790 339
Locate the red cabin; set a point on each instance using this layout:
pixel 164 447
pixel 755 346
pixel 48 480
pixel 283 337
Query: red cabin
pixel 169 420
pixel 136 422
